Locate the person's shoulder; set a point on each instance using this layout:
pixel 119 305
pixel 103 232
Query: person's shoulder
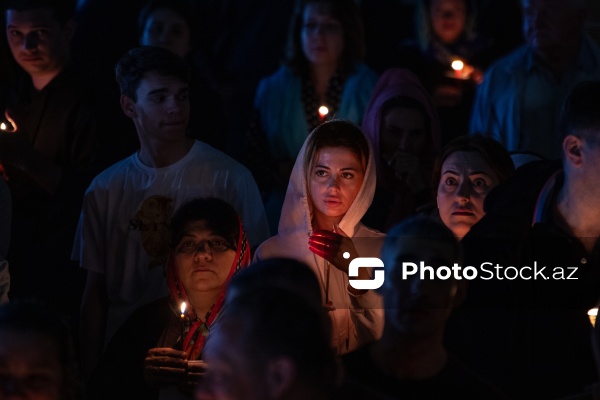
pixel 363 75
pixel 509 207
pixel 521 190
pixel 292 246
pixel 115 172
pixel 265 250
pixel 207 157
pixel 364 70
pixel 508 64
pixel 71 83
pixel 277 80
pixel 365 231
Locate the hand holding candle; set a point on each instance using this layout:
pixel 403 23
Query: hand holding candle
pixel 332 246
pixel 14 149
pixel 9 125
pixel 462 70
pixel 165 366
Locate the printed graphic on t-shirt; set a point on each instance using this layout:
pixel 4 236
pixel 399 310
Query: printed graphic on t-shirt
pixel 152 220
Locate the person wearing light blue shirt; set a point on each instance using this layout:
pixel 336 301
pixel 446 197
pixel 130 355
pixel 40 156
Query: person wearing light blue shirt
pixel 521 96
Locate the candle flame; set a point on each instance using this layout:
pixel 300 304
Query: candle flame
pixel 323 111
pixel 457 65
pixel 183 305
pixel 11 126
pixel 592 313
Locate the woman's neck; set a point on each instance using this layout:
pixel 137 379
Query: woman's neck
pixel 321 221
pixel 203 302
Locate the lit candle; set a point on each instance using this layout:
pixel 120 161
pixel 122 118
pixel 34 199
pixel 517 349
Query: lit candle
pixel 458 66
pixel 592 313
pixel 182 322
pixel 10 124
pixel 323 111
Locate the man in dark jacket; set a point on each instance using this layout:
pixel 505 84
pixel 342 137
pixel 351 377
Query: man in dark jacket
pixel 545 223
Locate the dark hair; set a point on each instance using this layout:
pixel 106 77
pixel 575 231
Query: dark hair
pixel 347 13
pixel 36 318
pixel 218 216
pixel 274 322
pixel 132 67
pixel 580 114
pixel 421 227
pixel 285 273
pixel 64 10
pixel 336 133
pixel 181 7
pixel 492 152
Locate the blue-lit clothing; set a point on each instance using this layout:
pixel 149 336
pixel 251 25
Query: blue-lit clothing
pixel 519 101
pixel 282 116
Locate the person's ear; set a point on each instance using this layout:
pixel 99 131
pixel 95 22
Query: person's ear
pixel 281 374
pixel 128 106
pixel 572 150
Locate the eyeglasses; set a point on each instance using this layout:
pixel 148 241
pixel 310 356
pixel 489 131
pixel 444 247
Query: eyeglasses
pixel 215 246
pixel 328 28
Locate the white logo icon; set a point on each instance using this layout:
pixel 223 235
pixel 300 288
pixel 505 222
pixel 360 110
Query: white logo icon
pixel 366 262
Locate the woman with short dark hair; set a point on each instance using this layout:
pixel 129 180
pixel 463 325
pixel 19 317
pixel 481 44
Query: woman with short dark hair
pixel 468 168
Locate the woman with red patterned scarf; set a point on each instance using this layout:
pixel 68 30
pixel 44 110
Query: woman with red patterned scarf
pixel 157 353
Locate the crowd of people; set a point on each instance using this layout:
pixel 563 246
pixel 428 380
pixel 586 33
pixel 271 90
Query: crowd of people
pixel 425 227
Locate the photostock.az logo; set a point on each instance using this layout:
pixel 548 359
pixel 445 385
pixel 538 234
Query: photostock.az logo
pixel 366 262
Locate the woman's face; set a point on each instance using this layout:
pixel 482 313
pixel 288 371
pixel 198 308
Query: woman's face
pixel 167 29
pixel 465 181
pixel 335 180
pixel 322 35
pixel 30 366
pixel 448 19
pixel 402 129
pixel 204 258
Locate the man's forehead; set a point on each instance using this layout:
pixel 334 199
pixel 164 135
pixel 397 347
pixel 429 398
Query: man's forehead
pixel 34 17
pixel 152 81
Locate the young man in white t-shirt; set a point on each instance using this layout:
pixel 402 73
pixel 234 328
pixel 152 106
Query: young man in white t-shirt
pixel 122 238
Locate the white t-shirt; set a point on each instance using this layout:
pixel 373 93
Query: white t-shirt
pixel 123 232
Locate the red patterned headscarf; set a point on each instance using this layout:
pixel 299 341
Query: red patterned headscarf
pixel 196 330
